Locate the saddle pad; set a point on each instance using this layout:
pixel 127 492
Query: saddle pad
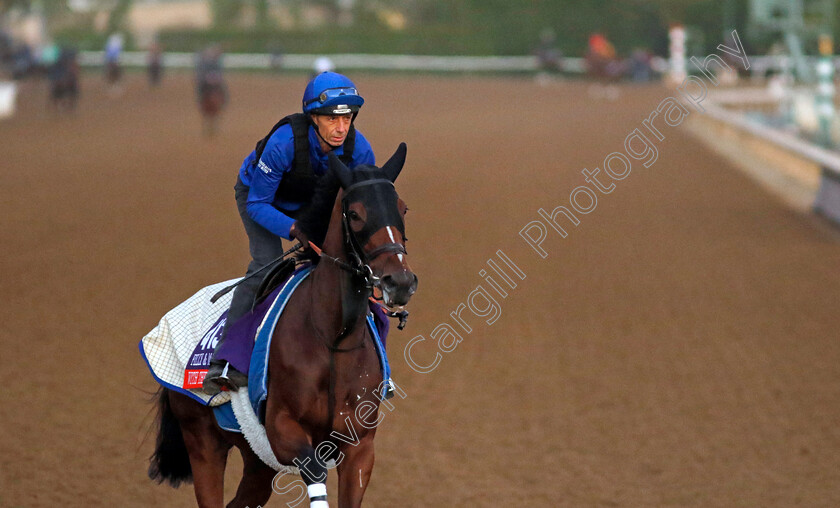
pixel 191 327
pixel 258 368
pixel 179 349
pixel 257 387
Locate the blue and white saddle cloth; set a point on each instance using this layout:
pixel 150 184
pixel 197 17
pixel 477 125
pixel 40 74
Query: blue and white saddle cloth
pixel 177 351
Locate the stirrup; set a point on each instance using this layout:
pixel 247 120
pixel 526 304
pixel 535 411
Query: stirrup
pixel 231 378
pixel 389 389
pixel 214 384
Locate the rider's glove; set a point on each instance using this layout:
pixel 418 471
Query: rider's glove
pixel 296 233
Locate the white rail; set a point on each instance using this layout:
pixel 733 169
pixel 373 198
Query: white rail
pixel 825 158
pixel 759 65
pixel 345 61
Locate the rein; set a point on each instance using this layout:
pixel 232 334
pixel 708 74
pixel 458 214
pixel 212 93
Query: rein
pixel 360 268
pixel 227 290
pixel 361 259
pixel 402 315
pixel 347 267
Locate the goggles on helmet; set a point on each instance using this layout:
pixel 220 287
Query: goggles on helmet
pixel 332 93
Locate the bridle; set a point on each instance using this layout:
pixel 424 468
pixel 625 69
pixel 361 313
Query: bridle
pixel 358 266
pixel 360 260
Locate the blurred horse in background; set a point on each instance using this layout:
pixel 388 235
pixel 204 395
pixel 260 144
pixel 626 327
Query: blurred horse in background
pixel 604 67
pixel 64 81
pixel 212 97
pixel 154 64
pixel 113 77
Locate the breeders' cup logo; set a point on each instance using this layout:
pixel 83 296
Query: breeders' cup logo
pixel 211 338
pixel 199 361
pixel 204 350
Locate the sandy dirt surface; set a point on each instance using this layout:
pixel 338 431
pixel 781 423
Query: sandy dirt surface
pixel 678 348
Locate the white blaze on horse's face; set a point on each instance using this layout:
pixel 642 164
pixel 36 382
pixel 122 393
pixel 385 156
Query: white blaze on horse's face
pixel 396 280
pixel 375 217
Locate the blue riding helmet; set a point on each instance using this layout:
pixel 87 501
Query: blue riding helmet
pixel 330 93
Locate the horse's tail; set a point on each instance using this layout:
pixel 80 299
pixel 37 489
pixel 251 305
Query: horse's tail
pixel 170 461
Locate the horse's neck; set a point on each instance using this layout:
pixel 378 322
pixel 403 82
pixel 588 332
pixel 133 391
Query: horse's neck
pixel 330 283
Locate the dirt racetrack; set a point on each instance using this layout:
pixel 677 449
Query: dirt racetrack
pixel 678 348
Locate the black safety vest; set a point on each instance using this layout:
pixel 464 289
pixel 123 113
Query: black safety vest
pixel 298 184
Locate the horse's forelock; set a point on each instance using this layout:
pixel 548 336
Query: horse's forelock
pixel 366 172
pixel 315 219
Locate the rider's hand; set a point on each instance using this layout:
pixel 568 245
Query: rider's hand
pixel 296 233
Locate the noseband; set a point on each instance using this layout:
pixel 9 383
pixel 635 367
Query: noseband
pixel 360 263
pixel 359 258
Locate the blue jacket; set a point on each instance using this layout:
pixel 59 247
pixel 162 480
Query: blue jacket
pixel 278 156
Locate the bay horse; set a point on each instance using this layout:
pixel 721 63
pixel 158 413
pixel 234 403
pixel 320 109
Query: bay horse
pixel 323 368
pixel 211 100
pixel 113 76
pixel 64 82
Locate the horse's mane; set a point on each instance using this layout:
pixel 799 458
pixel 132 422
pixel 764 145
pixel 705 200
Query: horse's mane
pixel 314 220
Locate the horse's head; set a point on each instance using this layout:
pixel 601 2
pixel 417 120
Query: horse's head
pixel 374 225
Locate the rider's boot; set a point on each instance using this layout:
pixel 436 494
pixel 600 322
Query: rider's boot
pixel 222 375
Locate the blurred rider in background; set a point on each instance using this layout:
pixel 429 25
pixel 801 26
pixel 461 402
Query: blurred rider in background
pixel 113 52
pixel 208 71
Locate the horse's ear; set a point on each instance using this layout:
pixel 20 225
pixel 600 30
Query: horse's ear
pixel 340 171
pixel 395 164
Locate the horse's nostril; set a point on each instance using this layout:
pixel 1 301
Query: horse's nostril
pixel 387 281
pixel 405 281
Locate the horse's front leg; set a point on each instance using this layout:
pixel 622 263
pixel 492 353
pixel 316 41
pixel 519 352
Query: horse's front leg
pixel 354 472
pixel 292 446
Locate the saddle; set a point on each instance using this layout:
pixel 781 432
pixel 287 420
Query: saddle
pixel 178 350
pixel 257 361
pixel 272 280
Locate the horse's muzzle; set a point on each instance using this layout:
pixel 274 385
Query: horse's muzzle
pixel 397 288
